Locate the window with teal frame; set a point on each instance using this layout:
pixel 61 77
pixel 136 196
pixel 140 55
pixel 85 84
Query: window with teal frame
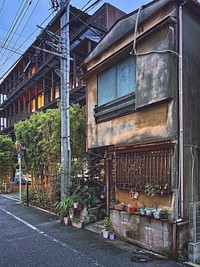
pixel 116 90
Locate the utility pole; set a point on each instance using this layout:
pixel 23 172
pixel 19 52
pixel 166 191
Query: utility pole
pixel 65 119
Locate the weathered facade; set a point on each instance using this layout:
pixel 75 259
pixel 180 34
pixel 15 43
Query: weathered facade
pixel 33 84
pixel 142 93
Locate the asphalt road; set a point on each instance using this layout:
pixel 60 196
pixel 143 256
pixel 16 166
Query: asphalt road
pixel 33 238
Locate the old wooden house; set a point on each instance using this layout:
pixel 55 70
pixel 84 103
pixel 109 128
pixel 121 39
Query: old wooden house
pixel 143 87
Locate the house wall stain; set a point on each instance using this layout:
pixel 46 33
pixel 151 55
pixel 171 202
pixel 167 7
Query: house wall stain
pixel 151 123
pixel 153 87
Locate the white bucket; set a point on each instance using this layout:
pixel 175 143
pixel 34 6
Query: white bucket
pixel 105 233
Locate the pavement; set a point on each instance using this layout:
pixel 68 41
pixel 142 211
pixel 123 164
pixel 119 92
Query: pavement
pixel 136 254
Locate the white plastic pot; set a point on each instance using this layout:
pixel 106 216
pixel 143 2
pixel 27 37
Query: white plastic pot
pixel 105 233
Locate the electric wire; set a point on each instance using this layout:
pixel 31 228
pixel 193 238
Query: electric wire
pixel 14 23
pixel 8 57
pixel 80 13
pixel 92 6
pixel 2 5
pixel 25 42
pixel 15 34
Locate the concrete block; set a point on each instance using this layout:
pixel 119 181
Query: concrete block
pixel 114 214
pixel 193 251
pixel 124 216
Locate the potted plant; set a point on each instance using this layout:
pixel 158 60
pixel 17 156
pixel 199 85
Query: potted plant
pixel 132 207
pixel 151 193
pixel 156 213
pixel 65 208
pixel 164 215
pixel 143 210
pixel 109 230
pixel 77 222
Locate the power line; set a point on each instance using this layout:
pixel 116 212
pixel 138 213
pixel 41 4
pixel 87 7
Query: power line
pixel 17 16
pixel 79 14
pixel 17 25
pixel 24 43
pixel 20 33
pixel 2 5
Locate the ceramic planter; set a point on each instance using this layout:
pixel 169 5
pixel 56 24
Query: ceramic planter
pixel 142 212
pixel 164 215
pixel 75 205
pixel 77 224
pixel 132 209
pixel 149 213
pixel 156 214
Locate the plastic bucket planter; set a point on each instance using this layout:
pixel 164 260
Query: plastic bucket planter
pixel 112 236
pixel 66 220
pixel 105 233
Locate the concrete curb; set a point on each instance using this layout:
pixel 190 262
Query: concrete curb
pixel 192 264
pixel 17 200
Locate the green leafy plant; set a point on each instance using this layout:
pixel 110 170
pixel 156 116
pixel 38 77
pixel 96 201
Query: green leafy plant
pixel 108 224
pixel 76 219
pixel 151 193
pixel 197 261
pixel 64 206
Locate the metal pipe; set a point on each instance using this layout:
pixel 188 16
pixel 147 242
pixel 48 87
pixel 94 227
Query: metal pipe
pixel 181 148
pixel 107 185
pixel 174 244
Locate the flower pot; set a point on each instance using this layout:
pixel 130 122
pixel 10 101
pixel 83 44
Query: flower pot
pixel 164 215
pixel 71 213
pixel 79 206
pixel 120 207
pixel 66 220
pixel 132 209
pixel 149 213
pixel 112 236
pixel 105 233
pixel 75 205
pixel 142 212
pixel 156 214
pixel 77 224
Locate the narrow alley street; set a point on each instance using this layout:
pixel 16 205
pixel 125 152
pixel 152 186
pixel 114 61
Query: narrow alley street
pixel 33 237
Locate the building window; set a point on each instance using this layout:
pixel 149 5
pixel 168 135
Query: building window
pixel 57 91
pixel 117 81
pixel 116 90
pixel 135 169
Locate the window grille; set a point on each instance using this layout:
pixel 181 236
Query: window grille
pixel 136 169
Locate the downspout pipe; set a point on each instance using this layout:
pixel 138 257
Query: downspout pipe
pixel 179 196
pixel 181 144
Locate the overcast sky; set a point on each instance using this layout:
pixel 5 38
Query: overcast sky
pixel 19 20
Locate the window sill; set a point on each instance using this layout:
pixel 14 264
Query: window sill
pixel 119 107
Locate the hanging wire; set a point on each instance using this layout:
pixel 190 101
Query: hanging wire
pixel 19 34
